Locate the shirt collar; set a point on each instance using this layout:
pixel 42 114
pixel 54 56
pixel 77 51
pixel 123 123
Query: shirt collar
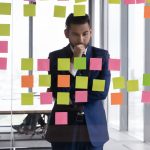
pixel 73 49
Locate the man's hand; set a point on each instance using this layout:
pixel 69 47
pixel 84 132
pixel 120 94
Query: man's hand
pixel 79 50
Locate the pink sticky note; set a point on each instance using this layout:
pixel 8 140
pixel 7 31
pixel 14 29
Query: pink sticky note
pixel 95 63
pixel 140 1
pixel 81 96
pixel 61 118
pixel 146 96
pixel 3 63
pixel 43 65
pixel 46 98
pixel 114 64
pixel 3 46
pixel 129 1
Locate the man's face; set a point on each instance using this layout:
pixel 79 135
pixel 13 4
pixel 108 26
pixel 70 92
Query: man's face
pixel 79 34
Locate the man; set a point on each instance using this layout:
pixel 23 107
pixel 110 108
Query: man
pixel 87 127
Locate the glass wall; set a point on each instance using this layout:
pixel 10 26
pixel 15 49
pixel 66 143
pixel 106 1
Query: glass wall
pixel 135 68
pixel 114 50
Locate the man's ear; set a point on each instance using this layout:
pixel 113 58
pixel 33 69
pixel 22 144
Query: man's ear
pixel 66 32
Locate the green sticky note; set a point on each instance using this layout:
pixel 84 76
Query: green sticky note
pixel 79 1
pixel 27 99
pixel 29 9
pixel 81 82
pixel 98 85
pixel 63 98
pixel 80 63
pixel 146 79
pixel 118 82
pixel 59 11
pixel 132 85
pixel 4 29
pixel 26 64
pixel 45 80
pixel 79 10
pixel 5 8
pixel 63 64
pixel 114 1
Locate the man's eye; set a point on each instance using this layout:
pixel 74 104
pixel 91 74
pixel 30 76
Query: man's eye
pixel 85 34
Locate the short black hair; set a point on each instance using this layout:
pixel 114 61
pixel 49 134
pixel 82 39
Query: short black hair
pixel 71 19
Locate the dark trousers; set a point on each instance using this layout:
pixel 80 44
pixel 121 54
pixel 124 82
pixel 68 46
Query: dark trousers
pixel 80 140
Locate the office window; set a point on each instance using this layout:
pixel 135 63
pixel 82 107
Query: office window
pixel 136 68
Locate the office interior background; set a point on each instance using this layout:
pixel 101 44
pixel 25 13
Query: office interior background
pixel 119 28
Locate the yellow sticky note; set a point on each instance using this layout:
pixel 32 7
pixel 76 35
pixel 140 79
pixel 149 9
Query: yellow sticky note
pixel 98 85
pixel 59 11
pixel 118 82
pixel 63 64
pixel 5 8
pixel 27 99
pixel 26 64
pixel 81 82
pixel 79 1
pixel 114 1
pixel 147 1
pixel 132 85
pixel 63 98
pixel 79 10
pixel 29 9
pixel 45 80
pixel 4 29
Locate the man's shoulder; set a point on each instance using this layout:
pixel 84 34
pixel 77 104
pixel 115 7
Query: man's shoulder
pixel 99 51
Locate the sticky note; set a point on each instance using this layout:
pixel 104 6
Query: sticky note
pixel 61 118
pixel 146 11
pixel 146 79
pixel 4 29
pixel 3 46
pixel 59 11
pixel 27 81
pixel 95 63
pixel 129 1
pixel 147 1
pixel 63 64
pixel 45 80
pixel 43 65
pixel 63 98
pixel 46 98
pixel 132 85
pixel 29 9
pixel 79 1
pixel 116 98
pixel 80 63
pixel 79 10
pixel 118 82
pixel 114 1
pixel 5 8
pixel 140 1
pixel 3 63
pixel 81 96
pixel 81 82
pixel 146 96
pixel 114 64
pixel 98 85
pixel 27 99
pixel 27 64
pixel 63 80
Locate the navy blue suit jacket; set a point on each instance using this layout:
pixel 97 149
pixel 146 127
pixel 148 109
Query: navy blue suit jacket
pixel 93 109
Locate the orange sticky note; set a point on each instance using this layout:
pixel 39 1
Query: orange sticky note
pixel 147 12
pixel 27 81
pixel 46 98
pixel 116 98
pixel 61 118
pixel 63 80
pixel 3 63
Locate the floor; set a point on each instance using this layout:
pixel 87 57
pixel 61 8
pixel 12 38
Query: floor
pixel 118 141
